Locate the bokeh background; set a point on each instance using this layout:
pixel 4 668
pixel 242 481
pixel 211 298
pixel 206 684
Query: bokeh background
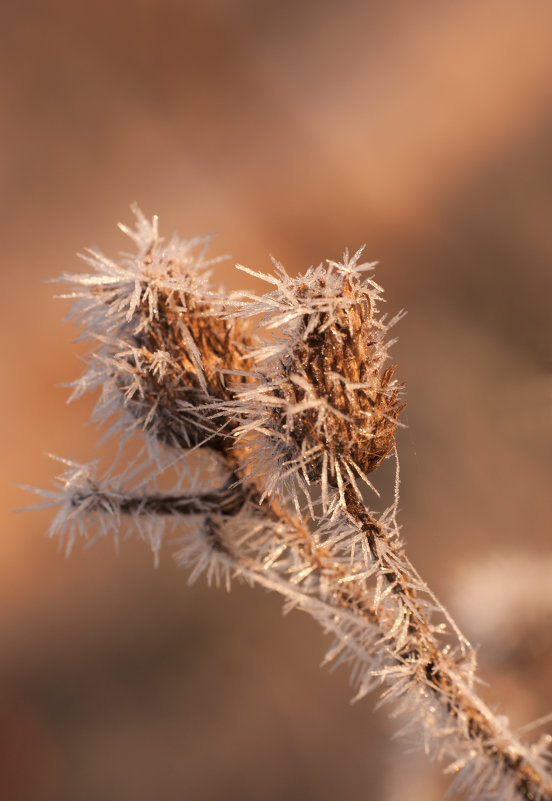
pixel 298 129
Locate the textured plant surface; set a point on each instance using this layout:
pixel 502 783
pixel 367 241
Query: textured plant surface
pixel 289 404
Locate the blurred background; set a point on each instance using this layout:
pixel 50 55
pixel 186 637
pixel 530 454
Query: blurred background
pixel 298 129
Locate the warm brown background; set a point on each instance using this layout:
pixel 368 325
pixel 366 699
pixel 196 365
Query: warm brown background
pixel 297 128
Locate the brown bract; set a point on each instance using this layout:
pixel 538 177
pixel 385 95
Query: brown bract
pixel 342 364
pixel 178 393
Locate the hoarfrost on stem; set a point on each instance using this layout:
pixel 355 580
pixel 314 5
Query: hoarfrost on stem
pixel 288 418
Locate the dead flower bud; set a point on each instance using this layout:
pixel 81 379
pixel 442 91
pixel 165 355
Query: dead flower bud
pixel 329 402
pixel 161 342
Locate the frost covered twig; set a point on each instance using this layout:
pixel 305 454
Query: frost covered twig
pixel 294 425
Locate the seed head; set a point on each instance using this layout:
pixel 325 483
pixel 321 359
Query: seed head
pixel 330 402
pixel 161 341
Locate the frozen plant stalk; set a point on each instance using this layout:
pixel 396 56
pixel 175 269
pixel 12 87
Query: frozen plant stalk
pixel 288 428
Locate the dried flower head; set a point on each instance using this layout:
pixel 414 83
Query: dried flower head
pixel 161 343
pixel 329 402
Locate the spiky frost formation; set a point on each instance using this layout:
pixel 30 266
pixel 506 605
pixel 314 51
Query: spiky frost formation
pixel 324 405
pixel 161 344
pixel 332 575
pixel 93 506
pixel 388 647
pixel 326 398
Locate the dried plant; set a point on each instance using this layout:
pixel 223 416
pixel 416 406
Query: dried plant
pixel 289 403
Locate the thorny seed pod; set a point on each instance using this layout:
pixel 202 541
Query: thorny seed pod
pixel 330 404
pixel 162 343
pixel 338 362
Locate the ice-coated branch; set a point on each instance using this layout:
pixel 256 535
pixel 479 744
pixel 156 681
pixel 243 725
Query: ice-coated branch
pixel 438 699
pixel 329 407
pixel 294 425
